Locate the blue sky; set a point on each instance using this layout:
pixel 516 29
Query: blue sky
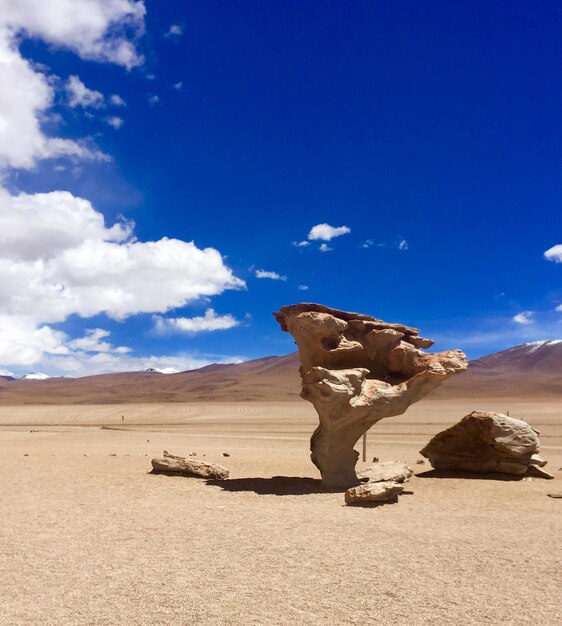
pixel 431 131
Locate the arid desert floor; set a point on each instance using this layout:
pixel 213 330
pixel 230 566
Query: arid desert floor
pixel 89 536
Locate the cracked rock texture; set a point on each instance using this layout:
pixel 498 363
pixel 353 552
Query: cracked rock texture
pixel 485 442
pixel 386 491
pixel 357 370
pixel 395 471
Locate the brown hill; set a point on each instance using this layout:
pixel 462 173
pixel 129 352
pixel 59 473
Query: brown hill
pixel 269 379
pixel 529 370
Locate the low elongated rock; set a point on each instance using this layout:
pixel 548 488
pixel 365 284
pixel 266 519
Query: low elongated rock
pixel 538 472
pixel 374 492
pixel 356 370
pixel 171 464
pixel 484 442
pixel 395 471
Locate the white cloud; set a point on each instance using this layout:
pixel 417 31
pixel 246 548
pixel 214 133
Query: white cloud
pixel 115 122
pixel 554 254
pixel 559 308
pixel 24 342
pixel 303 287
pixel 41 226
pixel 99 30
pixel 58 258
pixel 175 30
pixel 153 99
pixel 270 275
pixel 301 244
pixel 205 323
pixel 402 244
pixel 525 317
pixel 368 243
pixel 22 108
pixel 80 96
pixel 102 363
pixel 44 349
pixel 324 247
pixel 325 232
pixel 117 101
pixel 93 342
pixel 178 86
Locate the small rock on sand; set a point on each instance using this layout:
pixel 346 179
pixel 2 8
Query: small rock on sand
pixel 171 464
pixel 374 492
pixel 396 471
pixel 225 454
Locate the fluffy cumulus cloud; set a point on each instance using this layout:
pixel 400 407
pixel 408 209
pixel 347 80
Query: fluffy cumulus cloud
pixel 80 96
pixel 39 227
pixel 95 341
pixel 58 257
pixel 270 275
pixel 525 317
pixel 82 364
pixel 101 30
pixel 325 232
pixel 554 254
pixel 117 101
pixel 71 263
pixel 22 106
pixel 204 323
pixel 43 349
pixel 114 121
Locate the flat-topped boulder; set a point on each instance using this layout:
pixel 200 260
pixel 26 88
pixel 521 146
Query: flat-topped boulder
pixel 395 471
pixel 356 370
pixel 487 442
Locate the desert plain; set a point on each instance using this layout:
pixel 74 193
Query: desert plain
pixel 89 536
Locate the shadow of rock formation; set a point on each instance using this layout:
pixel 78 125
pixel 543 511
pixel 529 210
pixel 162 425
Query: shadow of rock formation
pixel 276 486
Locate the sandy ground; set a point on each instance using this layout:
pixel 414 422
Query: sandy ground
pixel 88 536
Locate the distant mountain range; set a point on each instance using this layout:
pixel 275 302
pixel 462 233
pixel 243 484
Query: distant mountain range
pixel 529 370
pixel 269 379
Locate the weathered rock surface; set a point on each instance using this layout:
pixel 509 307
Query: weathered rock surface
pixel 485 442
pixel 171 464
pixel 395 471
pixel 374 492
pixel 538 472
pixel 356 370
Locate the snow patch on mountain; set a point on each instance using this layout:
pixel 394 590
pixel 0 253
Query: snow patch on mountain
pixel 164 370
pixel 34 376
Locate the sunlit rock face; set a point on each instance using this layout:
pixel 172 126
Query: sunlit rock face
pixel 357 370
pixel 486 441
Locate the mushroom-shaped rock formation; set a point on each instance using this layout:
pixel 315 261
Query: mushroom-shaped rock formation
pixel 357 370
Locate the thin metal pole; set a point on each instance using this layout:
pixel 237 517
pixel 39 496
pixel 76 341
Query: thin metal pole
pixel 364 446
